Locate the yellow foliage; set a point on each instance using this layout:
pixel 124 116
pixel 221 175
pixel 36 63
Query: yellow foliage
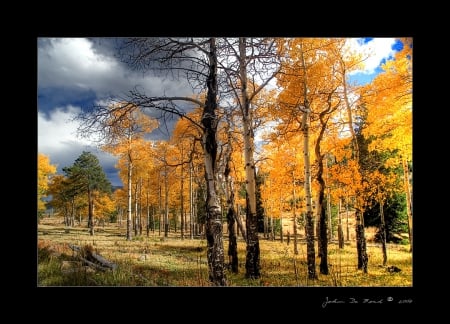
pixel 45 171
pixel 104 205
pixel 388 100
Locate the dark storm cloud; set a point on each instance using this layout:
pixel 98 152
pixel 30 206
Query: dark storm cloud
pixel 80 72
pixel 57 139
pixel 106 46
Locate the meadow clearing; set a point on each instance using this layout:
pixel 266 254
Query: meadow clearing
pixel 172 261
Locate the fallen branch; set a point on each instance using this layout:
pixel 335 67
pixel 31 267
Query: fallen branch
pixel 104 262
pixel 94 265
pixel 75 248
pixel 92 259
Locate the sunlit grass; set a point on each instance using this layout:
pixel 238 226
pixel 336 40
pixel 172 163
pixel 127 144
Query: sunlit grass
pixel 158 261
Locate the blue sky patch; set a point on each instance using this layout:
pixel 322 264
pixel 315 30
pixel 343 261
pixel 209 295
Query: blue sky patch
pixel 398 46
pixel 74 73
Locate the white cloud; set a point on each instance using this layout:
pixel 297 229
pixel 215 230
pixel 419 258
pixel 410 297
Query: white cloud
pixel 58 131
pixel 73 63
pixel 57 139
pixel 375 50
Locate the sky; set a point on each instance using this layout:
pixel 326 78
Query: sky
pixel 76 73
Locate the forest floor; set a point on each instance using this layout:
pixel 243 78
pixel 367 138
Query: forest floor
pixel 158 261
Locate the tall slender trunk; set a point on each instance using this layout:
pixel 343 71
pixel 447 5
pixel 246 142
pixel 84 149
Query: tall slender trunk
pixel 119 216
pixel 129 224
pixel 136 211
pixel 322 217
pixel 272 233
pixel 166 202
pixel 317 226
pixel 252 263
pixel 330 224
pixel 148 206
pixel 309 228
pixel 408 202
pixel 175 220
pixel 238 230
pixel 322 205
pixel 272 230
pixel 159 204
pixel 361 248
pixel 310 250
pixel 72 212
pixel 340 231
pixel 153 219
pixel 281 222
pixel 231 213
pixel 294 217
pixel 66 214
pixel 383 233
pixel 148 220
pixel 90 211
pixel 266 225
pixel 347 219
pixel 191 203
pixel 232 237
pixel 213 226
pixel 140 206
pixel 195 213
pixel 360 241
pixel 323 237
pixel 240 225
pixel 182 199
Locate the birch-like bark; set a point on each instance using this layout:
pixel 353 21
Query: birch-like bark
pixel 129 174
pixel 140 206
pixel 408 202
pixel 309 227
pixel 321 213
pixel 182 199
pixel 359 216
pixel 213 226
pixel 383 233
pixel 166 202
pixel 294 217
pixel 330 224
pixel 340 230
pixel 90 212
pixel 191 203
pixel 159 203
pixel 252 264
pixel 148 207
pixel 233 260
pixel 136 210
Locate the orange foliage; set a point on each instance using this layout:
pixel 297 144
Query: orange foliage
pixel 388 100
pixel 45 171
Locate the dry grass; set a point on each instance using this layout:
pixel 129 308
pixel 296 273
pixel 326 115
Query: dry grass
pixel 158 261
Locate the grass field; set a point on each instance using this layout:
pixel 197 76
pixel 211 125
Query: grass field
pixel 171 261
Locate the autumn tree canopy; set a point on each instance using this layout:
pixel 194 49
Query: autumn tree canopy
pixel 45 170
pixel 326 140
pixel 88 177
